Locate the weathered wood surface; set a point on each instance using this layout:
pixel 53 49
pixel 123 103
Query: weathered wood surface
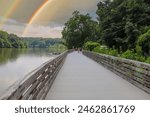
pixel 137 73
pixel 84 79
pixel 37 83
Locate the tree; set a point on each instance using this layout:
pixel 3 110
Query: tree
pixel 144 43
pixel 3 35
pixel 4 43
pixel 14 39
pixel 11 41
pixel 122 21
pixel 132 33
pixel 79 29
pixel 1 43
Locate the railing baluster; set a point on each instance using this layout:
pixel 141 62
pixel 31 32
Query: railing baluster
pixel 137 73
pixel 37 84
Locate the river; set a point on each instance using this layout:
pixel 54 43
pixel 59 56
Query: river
pixel 15 64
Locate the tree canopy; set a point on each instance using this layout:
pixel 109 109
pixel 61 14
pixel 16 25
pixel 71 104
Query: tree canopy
pixel 11 41
pixel 122 22
pixel 123 27
pixel 39 42
pixel 79 29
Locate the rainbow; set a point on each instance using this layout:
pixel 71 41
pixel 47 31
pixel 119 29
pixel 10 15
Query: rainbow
pixel 12 7
pixel 36 14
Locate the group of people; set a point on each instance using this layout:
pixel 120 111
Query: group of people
pixel 78 49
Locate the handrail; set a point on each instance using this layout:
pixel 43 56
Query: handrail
pixel 36 85
pixel 137 73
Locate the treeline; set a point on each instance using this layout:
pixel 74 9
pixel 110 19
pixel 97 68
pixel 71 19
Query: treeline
pixel 11 41
pixel 39 42
pixel 122 29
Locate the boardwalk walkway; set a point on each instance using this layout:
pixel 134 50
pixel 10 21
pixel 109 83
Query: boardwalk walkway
pixel 82 78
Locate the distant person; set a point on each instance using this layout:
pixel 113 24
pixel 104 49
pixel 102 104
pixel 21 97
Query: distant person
pixel 78 50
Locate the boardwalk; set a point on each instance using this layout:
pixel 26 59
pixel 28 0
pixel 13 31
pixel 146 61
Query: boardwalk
pixel 82 78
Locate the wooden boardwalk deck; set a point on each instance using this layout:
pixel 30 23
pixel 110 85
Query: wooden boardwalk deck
pixel 83 79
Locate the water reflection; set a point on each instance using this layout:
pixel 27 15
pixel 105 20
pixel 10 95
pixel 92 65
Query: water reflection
pixel 16 63
pixel 10 54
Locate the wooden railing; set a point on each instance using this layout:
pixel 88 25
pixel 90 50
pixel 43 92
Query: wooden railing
pixel 36 85
pixel 137 73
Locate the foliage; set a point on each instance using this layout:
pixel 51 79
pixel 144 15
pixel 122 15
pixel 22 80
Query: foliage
pixel 36 42
pixel 148 60
pixel 113 52
pixel 132 33
pixel 11 41
pixel 144 43
pixel 57 48
pixel 122 21
pixel 101 49
pixel 123 27
pixel 129 54
pixel 139 58
pixel 79 29
pixel 105 50
pixel 89 45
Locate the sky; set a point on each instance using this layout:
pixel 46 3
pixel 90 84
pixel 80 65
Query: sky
pixel 41 18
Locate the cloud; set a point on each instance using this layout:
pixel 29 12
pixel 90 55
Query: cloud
pixel 34 31
pixel 8 21
pixel 43 31
pixel 59 11
pixel 12 26
pixel 50 22
pixel 20 12
pixel 15 29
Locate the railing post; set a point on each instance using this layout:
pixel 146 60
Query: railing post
pixel 36 84
pixel 135 72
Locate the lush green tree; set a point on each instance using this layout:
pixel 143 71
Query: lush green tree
pixel 4 42
pixel 11 41
pixel 79 29
pixel 3 35
pixel 132 33
pixel 1 43
pixel 122 21
pixel 144 43
pixel 15 40
pixel 38 42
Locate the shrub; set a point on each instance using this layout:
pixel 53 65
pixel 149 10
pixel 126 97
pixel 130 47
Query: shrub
pixel 139 58
pixel 91 45
pixel 128 55
pixel 144 42
pixel 134 56
pixel 148 60
pixel 101 49
pixel 105 50
pixel 97 49
pixel 113 52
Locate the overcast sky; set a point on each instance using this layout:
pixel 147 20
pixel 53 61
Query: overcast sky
pixel 47 22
